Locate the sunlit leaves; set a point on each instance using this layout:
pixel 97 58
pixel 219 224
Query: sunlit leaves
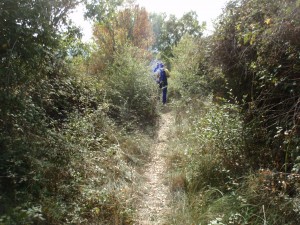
pixel 142 33
pixel 268 21
pixel 130 25
pixel 189 59
pixel 102 10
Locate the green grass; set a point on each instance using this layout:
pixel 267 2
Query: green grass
pixel 210 178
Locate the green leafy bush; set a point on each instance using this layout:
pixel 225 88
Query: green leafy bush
pixel 102 169
pixel 239 157
pixel 210 151
pixel 130 88
pixel 255 44
pixel 189 68
pixel 63 161
pixel 214 144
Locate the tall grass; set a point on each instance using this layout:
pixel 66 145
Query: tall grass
pixel 211 178
pixel 105 167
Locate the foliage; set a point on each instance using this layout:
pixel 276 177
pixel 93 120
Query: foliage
pixel 102 10
pixel 63 161
pixel 73 116
pixel 192 73
pixel 103 168
pixel 127 26
pixel 256 45
pixel 239 154
pixel 214 143
pixel 30 57
pixel 131 91
pixel 168 32
pixel 209 151
pixel 142 36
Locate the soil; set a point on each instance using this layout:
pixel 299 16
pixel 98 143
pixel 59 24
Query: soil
pixel 154 203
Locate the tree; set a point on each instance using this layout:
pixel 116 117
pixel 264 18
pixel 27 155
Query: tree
pixel 142 32
pixel 191 68
pixel 129 25
pixel 168 32
pixel 157 21
pixel 189 24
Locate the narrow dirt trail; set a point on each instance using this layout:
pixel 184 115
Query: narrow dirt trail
pixel 154 206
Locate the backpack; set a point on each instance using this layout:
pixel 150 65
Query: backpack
pixel 163 81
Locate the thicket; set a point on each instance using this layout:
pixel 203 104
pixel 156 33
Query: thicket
pixel 73 116
pixel 257 48
pixel 235 155
pixel 67 155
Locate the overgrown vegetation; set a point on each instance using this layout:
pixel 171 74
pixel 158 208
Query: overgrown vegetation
pixel 71 138
pixel 76 119
pixel 235 154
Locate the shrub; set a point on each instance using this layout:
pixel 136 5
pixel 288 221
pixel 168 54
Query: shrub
pixel 214 145
pixel 248 45
pixel 130 89
pixel 223 187
pixel 189 67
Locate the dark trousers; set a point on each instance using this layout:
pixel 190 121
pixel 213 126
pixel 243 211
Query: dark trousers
pixel 164 94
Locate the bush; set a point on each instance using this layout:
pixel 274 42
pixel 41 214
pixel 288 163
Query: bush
pixel 103 169
pixel 271 197
pixel 214 142
pixel 256 47
pixel 130 89
pixel 189 68
pixel 210 152
pixel 64 160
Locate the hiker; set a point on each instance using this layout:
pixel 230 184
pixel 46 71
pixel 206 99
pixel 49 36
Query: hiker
pixel 163 75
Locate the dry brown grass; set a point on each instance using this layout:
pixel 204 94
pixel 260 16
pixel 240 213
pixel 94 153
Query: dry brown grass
pixel 178 182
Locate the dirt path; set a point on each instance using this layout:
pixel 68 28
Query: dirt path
pixel 154 203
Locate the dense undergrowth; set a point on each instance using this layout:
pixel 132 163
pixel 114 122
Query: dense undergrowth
pixel 76 120
pixel 235 152
pixel 71 140
pixel 66 158
pixel 213 179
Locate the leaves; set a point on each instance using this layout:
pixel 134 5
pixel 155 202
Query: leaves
pixel 129 26
pixel 268 21
pixel 251 38
pixel 169 32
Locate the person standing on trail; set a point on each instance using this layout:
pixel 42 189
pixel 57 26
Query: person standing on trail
pixel 163 75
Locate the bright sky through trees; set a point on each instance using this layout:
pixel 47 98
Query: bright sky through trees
pixel 207 10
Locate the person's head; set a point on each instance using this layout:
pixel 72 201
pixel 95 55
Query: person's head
pixel 161 65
